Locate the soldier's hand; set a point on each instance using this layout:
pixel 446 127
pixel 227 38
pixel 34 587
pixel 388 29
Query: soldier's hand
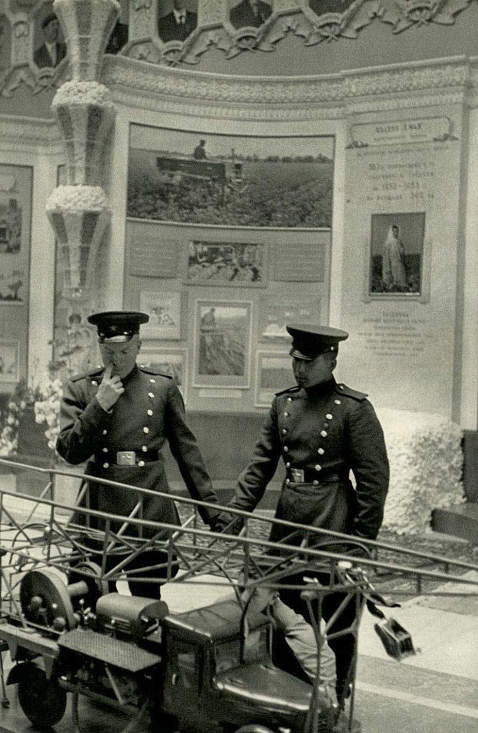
pixel 110 389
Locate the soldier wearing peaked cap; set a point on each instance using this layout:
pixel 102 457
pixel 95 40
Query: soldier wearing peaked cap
pixel 118 418
pixel 323 431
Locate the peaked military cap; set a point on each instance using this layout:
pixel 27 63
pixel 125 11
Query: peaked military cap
pixel 309 341
pixel 117 326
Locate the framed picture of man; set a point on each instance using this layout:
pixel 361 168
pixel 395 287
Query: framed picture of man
pixel 177 19
pixel 396 254
pixel 8 361
pixel 49 45
pixel 249 13
pixel 222 338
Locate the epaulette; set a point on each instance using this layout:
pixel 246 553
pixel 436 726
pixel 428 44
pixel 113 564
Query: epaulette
pixel 296 388
pixel 349 392
pixel 148 370
pixel 86 375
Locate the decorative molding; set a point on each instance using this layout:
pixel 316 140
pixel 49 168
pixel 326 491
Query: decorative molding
pixel 404 14
pixel 24 131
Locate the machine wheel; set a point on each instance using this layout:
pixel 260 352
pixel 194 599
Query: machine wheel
pixel 44 597
pixel 253 728
pixel 42 700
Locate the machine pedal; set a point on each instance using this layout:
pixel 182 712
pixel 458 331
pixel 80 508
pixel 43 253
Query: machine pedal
pixel 119 653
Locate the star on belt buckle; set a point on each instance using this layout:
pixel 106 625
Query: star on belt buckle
pixel 297 475
pixel 126 458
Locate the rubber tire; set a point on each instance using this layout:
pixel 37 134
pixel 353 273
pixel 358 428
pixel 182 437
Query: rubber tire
pixel 42 700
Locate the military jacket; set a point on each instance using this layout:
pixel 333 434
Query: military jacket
pixel 149 412
pixel 322 435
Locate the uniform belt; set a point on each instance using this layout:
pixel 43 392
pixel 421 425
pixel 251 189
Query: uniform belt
pixel 126 457
pixel 309 475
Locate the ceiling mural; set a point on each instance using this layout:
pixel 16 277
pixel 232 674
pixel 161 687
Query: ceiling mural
pixel 33 50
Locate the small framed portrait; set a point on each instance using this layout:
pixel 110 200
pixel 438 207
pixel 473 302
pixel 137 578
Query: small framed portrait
pixel 177 19
pixel 164 310
pixel 249 13
pixel 49 45
pixel 226 263
pixel 9 361
pixel 273 373
pixel 222 341
pixel 276 312
pixel 396 254
pixel 320 7
pixel 172 362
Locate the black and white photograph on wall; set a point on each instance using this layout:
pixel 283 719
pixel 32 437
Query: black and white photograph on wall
pixel 249 13
pixel 222 263
pixel 172 362
pixel 164 310
pixel 177 19
pixel 396 253
pixel 8 361
pixel 50 47
pixel 273 373
pixel 222 343
pixel 320 7
pixel 276 311
pixel 230 180
pixel 5 42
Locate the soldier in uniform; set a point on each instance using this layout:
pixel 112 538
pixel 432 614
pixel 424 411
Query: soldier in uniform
pixel 323 431
pixel 119 417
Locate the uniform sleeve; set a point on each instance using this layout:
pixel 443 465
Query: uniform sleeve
pixel 81 423
pixel 369 463
pixel 187 454
pixel 253 480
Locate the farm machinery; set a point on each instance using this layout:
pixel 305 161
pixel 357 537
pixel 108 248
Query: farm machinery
pixel 210 668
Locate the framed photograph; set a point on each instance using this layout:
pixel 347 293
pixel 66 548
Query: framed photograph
pixel 164 310
pixel 226 263
pixel 230 180
pixel 277 312
pixel 273 373
pixel 15 226
pixel 222 341
pixel 9 361
pixel 395 265
pixel 168 361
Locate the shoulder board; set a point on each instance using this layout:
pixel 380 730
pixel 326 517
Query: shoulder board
pixel 296 388
pixel 349 392
pixel 148 370
pixel 87 375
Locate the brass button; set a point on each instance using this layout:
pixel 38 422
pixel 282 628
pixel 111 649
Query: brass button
pixel 287 480
pixel 141 463
pixel 326 424
pixel 286 449
pixel 329 416
pixel 150 412
pixel 144 448
pixel 284 431
pixel 289 399
pixel 153 381
pixel 94 382
pixel 146 430
pixel 323 433
pixel 104 432
pixel 105 450
pixel 341 386
pixel 151 395
pixel 315 482
pixel 106 465
pixel 286 414
pixel 318 467
pixel 338 402
pixel 287 465
pixel 320 451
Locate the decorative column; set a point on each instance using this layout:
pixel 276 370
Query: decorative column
pixel 79 211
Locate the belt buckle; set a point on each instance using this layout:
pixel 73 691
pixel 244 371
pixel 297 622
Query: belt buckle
pixel 297 475
pixel 126 458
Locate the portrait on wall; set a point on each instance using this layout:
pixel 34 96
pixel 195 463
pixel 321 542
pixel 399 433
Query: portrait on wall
pixel 177 19
pixel 229 180
pixel 249 13
pixel 396 254
pixel 273 373
pixel 15 223
pixel 320 7
pixel 223 263
pixel 222 343
pixel 276 312
pixel 172 362
pixel 49 45
pixel 8 361
pixel 164 310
